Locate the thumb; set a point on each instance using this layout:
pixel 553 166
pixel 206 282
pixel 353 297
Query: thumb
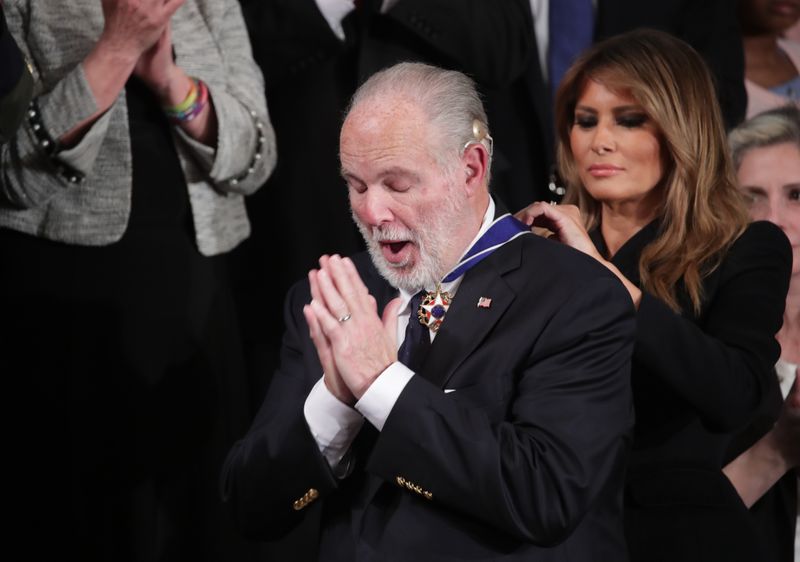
pixel 389 318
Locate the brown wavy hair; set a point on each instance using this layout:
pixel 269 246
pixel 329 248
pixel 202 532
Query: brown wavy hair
pixel 701 212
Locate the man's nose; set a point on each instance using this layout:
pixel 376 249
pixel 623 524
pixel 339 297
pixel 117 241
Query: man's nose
pixel 374 206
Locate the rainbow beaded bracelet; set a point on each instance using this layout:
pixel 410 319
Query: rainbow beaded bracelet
pixel 191 106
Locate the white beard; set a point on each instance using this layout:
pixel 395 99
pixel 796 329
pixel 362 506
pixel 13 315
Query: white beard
pixel 431 239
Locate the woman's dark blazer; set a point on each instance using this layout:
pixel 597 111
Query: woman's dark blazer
pixel 697 379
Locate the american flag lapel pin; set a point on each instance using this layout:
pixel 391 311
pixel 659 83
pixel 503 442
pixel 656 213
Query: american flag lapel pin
pixel 484 302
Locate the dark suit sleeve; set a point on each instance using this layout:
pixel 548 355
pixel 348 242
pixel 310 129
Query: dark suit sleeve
pixel 487 39
pixel 536 473
pixel 278 461
pixel 723 366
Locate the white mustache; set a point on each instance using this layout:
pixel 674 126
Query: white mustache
pixel 392 234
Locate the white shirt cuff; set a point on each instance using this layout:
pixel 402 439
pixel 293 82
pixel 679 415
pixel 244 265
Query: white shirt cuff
pixel 332 423
pixel 334 12
pixel 377 402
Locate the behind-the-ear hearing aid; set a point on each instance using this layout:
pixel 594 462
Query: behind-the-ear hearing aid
pixel 480 134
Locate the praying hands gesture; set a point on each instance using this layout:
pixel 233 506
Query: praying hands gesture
pixel 353 343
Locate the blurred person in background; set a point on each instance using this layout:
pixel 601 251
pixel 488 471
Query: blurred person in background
pixel 119 196
pixel 772 61
pixel 766 154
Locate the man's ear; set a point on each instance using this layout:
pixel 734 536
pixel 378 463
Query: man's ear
pixel 475 161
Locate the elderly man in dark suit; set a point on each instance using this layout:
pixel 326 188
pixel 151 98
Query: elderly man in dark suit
pixel 499 429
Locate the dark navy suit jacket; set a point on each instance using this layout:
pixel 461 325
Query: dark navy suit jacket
pixel 524 460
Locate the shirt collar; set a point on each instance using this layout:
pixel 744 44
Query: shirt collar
pixel 452 287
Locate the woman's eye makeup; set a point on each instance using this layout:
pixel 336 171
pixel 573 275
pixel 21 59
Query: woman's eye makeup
pixel 632 120
pixel 585 121
pixel 627 120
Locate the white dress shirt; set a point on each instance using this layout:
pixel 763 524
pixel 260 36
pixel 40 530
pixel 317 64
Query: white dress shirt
pixel 334 11
pixel 333 423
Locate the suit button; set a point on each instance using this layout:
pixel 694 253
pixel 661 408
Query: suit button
pixel 307 498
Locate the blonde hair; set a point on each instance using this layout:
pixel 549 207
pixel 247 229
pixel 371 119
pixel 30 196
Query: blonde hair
pixel 776 126
pixel 701 211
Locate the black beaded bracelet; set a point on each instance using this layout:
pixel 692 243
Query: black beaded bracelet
pixel 50 146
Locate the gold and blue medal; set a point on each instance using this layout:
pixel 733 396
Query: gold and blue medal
pixel 434 304
pixel 433 308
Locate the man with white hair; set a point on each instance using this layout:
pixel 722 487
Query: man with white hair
pixel 499 428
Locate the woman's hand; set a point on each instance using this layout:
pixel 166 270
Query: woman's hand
pixel 787 429
pixel 758 468
pixel 157 69
pixel 133 26
pixel 565 223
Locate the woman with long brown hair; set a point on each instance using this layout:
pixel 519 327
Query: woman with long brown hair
pixel 652 195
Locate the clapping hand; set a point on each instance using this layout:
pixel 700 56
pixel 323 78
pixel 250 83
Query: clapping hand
pixel 133 26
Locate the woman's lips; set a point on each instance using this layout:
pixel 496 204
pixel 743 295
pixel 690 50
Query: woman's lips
pixel 604 170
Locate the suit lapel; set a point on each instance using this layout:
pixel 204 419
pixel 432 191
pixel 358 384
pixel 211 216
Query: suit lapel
pixel 466 324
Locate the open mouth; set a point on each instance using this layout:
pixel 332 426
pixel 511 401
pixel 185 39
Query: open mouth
pixel 396 247
pixel 395 250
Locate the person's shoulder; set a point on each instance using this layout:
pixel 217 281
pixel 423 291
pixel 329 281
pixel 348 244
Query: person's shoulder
pixel 554 279
pixel 762 235
pixel 556 267
pixel 762 244
pixel 538 252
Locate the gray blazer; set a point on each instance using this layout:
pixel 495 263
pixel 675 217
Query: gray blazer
pixel 82 195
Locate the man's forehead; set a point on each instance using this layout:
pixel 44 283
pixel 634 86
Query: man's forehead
pixel 385 116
